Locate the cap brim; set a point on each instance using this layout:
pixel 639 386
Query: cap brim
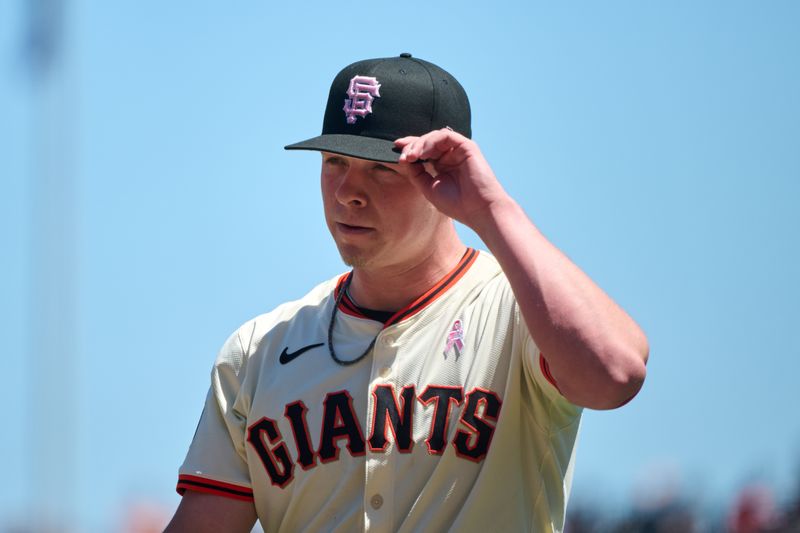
pixel 352 146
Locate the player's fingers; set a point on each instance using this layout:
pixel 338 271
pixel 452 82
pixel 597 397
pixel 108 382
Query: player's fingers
pixel 420 177
pixel 402 141
pixel 411 150
pixel 444 144
pixel 414 149
pixel 403 144
pixel 430 168
pixel 432 145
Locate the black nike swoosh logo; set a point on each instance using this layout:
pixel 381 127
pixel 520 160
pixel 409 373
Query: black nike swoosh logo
pixel 287 357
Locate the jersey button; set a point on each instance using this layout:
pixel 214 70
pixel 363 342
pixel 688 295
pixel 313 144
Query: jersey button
pixel 376 501
pixel 385 371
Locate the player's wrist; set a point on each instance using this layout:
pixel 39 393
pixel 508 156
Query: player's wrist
pixel 489 218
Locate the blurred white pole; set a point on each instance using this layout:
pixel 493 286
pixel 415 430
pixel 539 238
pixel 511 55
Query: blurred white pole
pixel 53 375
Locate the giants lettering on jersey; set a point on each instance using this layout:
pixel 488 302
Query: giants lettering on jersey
pixel 392 412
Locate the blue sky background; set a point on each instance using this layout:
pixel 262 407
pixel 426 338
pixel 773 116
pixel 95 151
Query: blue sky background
pixel 655 143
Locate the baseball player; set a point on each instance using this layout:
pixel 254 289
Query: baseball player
pixel 431 387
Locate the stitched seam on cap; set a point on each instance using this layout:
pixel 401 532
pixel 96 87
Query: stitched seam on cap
pixel 433 85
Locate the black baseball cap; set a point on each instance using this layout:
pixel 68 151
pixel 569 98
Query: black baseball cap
pixel 373 102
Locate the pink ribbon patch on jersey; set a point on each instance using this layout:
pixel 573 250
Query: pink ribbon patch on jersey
pixel 362 91
pixel 455 338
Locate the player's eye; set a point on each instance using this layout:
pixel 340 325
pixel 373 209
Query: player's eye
pixel 334 160
pixel 384 168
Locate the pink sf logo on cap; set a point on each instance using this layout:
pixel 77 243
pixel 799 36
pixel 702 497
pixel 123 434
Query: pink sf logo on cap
pixel 362 91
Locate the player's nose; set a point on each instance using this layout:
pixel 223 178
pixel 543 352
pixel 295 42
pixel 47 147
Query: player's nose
pixel 350 189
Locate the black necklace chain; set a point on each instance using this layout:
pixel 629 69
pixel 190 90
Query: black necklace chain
pixel 335 358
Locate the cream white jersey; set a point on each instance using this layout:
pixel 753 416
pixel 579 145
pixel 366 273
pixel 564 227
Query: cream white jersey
pixel 451 422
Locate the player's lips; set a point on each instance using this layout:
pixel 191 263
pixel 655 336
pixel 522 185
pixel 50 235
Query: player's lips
pixel 350 229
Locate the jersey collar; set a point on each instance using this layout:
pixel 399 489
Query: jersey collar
pixel 443 285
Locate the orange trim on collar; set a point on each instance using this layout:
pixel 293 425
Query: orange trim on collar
pixel 345 305
pixel 442 286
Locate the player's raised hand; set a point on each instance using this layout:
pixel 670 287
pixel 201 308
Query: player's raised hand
pixel 452 173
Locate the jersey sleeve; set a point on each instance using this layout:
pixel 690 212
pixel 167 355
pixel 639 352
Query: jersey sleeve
pixel 216 462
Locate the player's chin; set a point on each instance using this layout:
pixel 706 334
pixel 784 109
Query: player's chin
pixel 353 256
pixel 354 261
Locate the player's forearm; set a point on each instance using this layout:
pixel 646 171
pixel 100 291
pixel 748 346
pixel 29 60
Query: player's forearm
pixel 595 350
pixel 199 512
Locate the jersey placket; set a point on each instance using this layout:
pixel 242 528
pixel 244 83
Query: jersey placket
pixel 380 464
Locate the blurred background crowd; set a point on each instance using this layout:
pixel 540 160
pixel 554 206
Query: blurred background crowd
pixel 755 509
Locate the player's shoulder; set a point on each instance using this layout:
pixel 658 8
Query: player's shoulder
pixel 249 335
pixel 486 265
pixel 488 274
